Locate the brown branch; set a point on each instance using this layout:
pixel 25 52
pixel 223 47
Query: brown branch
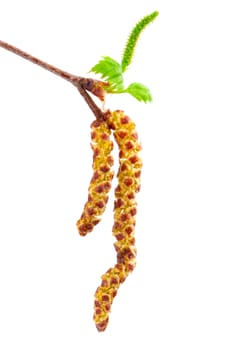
pixel 82 84
pixel 95 109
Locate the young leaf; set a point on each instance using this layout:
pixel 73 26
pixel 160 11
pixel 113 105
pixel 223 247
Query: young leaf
pixel 111 71
pixel 140 92
pixel 133 39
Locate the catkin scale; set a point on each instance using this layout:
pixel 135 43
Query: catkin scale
pixel 125 209
pixel 102 177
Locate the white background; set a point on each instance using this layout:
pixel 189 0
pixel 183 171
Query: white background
pixel 180 294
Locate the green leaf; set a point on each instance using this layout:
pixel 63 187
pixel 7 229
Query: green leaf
pixel 111 71
pixel 133 39
pixel 140 92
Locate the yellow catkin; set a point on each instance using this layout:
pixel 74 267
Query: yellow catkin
pixel 101 180
pixel 125 204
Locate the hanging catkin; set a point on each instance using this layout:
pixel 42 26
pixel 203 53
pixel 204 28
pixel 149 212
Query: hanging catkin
pixel 101 180
pixel 125 204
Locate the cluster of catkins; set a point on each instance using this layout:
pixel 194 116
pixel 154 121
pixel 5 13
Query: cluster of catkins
pixel 125 205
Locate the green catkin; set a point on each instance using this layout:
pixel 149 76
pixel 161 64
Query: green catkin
pixel 133 39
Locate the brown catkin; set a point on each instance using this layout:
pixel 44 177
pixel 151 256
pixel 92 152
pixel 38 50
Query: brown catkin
pixel 125 209
pixel 101 180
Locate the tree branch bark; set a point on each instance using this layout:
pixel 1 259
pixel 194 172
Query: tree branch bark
pixel 96 87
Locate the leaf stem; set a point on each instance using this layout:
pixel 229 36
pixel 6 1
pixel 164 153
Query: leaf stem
pixel 82 84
